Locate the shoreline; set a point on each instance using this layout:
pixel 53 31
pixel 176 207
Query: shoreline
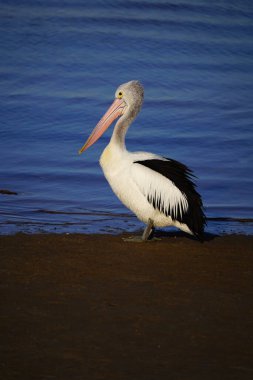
pixel 92 306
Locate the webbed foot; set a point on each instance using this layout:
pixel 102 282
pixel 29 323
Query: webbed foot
pixel 134 239
pixel 139 239
pixel 146 236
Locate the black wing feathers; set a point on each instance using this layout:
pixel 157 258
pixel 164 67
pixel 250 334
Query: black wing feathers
pixel 182 177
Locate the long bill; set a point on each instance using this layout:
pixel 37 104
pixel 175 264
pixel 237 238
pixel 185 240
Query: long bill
pixel 116 110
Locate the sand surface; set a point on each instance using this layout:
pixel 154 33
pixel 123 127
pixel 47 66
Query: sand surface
pixel 94 307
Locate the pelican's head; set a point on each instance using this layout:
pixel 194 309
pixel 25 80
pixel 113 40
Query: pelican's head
pixel 128 101
pixel 132 93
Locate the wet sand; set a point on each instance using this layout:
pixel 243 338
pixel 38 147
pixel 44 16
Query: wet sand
pixel 94 307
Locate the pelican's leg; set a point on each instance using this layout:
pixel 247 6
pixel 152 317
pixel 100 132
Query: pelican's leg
pixel 147 234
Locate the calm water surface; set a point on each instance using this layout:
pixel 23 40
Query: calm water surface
pixel 61 62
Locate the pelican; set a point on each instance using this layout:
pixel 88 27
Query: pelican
pixel 158 190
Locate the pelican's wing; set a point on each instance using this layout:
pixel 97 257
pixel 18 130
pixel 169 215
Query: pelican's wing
pixel 167 185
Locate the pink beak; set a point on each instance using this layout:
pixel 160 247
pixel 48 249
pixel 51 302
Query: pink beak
pixel 116 110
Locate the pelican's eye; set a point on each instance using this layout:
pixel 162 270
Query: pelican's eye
pixel 120 95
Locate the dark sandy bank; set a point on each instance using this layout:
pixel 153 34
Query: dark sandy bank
pixel 94 307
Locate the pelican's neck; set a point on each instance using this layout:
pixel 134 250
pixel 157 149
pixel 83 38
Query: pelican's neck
pixel 116 148
pixel 120 130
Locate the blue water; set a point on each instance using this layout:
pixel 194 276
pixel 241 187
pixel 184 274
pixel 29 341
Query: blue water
pixel 61 62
